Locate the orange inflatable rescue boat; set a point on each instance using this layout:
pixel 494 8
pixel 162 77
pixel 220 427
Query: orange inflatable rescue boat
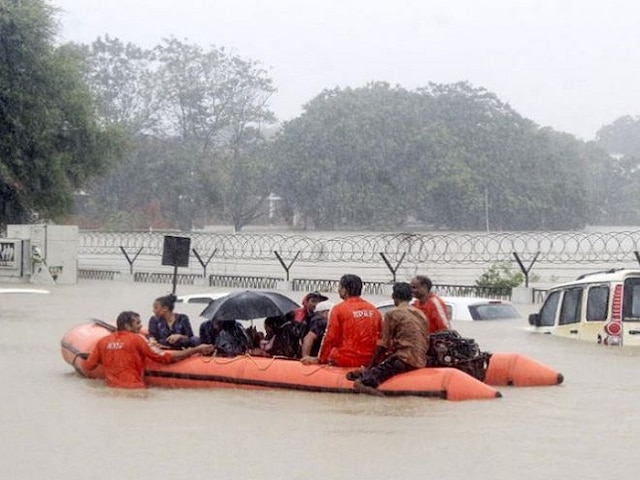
pixel 258 372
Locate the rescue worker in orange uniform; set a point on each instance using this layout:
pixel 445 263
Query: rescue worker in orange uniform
pixel 430 304
pixel 353 329
pixel 123 353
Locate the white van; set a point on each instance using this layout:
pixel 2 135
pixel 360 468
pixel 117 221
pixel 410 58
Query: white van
pixel 602 307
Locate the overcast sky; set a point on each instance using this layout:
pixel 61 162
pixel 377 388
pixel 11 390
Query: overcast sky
pixel 571 65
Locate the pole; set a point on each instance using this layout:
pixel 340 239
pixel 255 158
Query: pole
pixel 391 268
pixel 175 278
pixel 284 265
pixel 486 207
pixel 131 261
pixel 204 264
pixel 525 270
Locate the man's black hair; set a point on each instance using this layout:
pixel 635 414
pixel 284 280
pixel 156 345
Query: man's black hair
pixel 402 292
pixel 352 284
pixel 125 319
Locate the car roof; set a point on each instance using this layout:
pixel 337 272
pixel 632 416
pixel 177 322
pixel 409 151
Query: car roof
pixel 205 297
pixel 612 275
pixel 473 300
pixel 459 301
pixel 24 290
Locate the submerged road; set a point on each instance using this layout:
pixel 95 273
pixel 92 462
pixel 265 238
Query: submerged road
pixel 56 424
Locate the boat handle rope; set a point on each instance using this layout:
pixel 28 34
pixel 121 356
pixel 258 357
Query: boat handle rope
pixel 262 369
pixel 236 359
pixel 317 369
pixel 82 355
pixel 280 357
pixel 213 358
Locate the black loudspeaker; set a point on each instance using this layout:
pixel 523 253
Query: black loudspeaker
pixel 175 251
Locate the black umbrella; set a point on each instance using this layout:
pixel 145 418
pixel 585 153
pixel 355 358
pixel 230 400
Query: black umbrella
pixel 248 305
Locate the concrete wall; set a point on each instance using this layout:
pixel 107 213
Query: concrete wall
pixel 15 260
pixel 58 245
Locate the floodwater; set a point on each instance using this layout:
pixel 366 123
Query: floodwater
pixel 56 424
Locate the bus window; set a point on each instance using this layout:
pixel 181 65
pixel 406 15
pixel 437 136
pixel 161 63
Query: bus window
pixel 597 303
pixel 570 309
pixel 548 311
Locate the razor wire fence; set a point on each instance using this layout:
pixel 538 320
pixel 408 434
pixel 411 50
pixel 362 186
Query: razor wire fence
pixel 367 248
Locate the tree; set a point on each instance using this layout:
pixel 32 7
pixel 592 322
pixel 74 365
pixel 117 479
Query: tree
pixel 246 178
pixel 50 142
pixel 614 178
pixel 452 156
pixel 500 275
pixel 622 136
pixel 218 102
pixel 122 79
pixel 194 118
pixel 344 161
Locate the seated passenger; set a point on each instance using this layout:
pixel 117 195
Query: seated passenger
pixel 429 303
pixel 309 302
pixel 231 339
pixel 282 337
pixel 403 346
pixel 271 324
pixel 168 329
pixel 314 329
pixel 353 329
pixel 209 330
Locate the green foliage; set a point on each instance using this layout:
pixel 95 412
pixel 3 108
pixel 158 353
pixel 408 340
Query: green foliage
pixel 50 143
pixel 340 163
pixel 193 116
pixel 500 275
pixel 453 156
pixel 621 137
pixel 613 182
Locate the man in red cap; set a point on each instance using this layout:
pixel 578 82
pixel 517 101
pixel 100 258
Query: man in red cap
pixel 309 302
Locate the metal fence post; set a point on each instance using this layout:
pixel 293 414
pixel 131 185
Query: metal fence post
pixel 392 269
pixel 204 264
pixel 131 261
pixel 525 270
pixel 284 265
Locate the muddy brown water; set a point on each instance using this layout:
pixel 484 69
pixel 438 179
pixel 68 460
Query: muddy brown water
pixel 57 425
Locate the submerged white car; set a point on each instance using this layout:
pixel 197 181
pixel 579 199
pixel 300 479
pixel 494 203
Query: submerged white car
pixel 206 297
pixel 468 309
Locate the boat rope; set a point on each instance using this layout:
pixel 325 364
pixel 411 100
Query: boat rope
pixel 214 359
pixel 303 368
pixel 315 370
pixel 250 357
pixel 231 360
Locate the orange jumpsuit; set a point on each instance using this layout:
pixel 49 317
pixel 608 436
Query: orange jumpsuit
pixel 435 310
pixel 352 333
pixel 123 356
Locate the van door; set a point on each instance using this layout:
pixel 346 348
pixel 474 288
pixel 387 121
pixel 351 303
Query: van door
pixel 596 313
pixel 548 312
pixel 631 311
pixel 570 313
